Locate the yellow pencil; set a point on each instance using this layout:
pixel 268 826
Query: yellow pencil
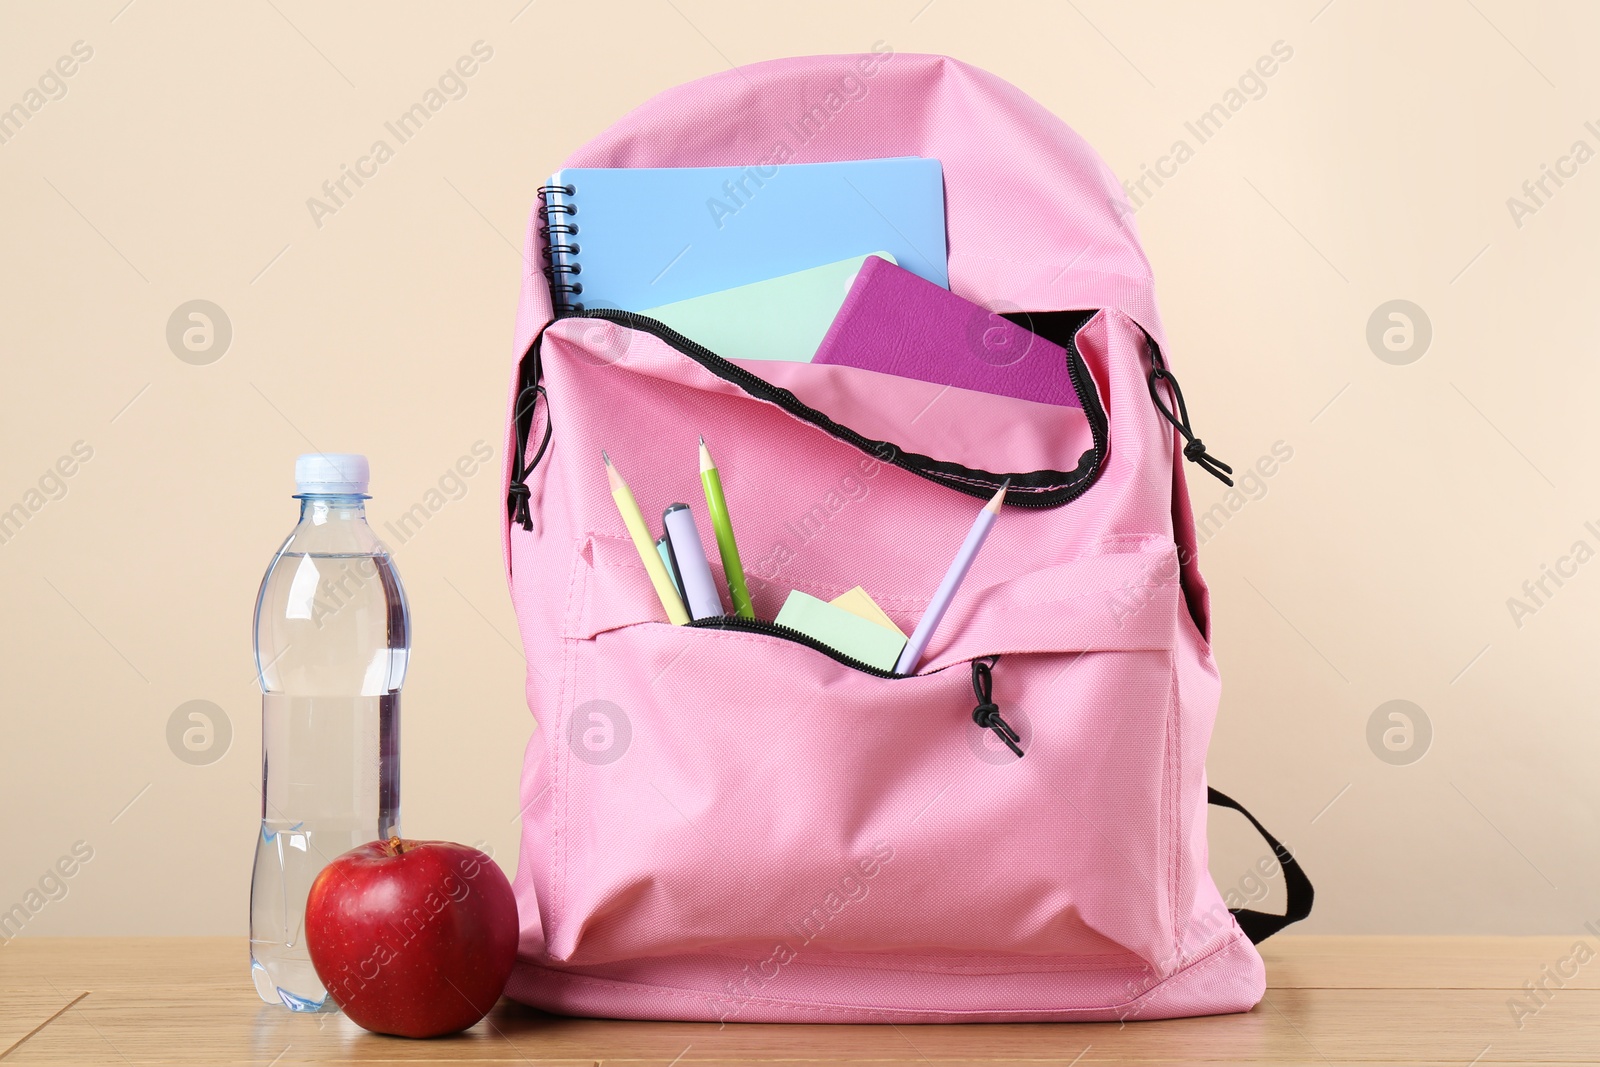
pixel 634 520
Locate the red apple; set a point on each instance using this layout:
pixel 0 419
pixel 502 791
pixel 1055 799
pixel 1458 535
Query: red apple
pixel 414 938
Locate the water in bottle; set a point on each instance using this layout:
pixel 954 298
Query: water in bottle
pixel 331 641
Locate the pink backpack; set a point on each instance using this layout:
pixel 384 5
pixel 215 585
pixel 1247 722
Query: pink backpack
pixel 721 822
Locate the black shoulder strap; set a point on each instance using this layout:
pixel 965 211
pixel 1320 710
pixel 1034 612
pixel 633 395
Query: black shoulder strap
pixel 1258 925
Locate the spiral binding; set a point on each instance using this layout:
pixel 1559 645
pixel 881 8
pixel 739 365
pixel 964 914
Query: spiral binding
pixel 560 251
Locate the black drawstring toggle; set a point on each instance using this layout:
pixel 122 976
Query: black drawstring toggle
pixel 1194 450
pixel 987 713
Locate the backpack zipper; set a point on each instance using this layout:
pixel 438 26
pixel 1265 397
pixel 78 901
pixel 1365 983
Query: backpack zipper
pixel 772 629
pixel 949 475
pixel 985 715
pixel 1059 487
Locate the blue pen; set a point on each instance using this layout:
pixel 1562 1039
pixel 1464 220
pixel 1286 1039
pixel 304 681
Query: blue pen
pixel 664 548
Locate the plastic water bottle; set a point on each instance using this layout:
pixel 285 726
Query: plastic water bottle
pixel 331 638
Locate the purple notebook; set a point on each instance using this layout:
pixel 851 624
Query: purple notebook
pixel 896 323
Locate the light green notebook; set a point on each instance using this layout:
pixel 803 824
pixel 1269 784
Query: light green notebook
pixel 780 318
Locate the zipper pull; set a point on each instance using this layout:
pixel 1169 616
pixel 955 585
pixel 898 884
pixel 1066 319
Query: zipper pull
pixel 517 493
pixel 531 371
pixel 987 713
pixel 1194 449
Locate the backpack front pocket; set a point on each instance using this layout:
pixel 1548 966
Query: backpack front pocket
pixel 716 791
pixel 739 794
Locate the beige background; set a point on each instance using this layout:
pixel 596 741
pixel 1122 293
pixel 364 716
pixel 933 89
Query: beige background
pixel 1374 565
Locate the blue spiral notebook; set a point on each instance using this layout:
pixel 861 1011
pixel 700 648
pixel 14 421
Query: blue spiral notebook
pixel 633 238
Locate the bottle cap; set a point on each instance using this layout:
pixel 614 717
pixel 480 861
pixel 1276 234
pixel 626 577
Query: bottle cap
pixel 331 473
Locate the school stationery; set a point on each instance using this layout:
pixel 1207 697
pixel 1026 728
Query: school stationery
pixel 896 323
pixel 857 602
pixel 841 630
pixel 689 559
pixel 664 549
pixel 722 525
pixel 634 520
pixel 778 319
pixel 946 592
pixel 633 238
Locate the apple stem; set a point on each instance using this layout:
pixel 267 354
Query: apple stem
pixel 396 846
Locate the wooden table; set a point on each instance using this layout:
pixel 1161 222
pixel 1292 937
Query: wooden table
pixel 1332 1000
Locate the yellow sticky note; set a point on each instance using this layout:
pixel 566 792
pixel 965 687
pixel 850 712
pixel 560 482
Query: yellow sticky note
pixel 857 602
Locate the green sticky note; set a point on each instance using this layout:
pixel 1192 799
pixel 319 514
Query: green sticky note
pixel 841 630
pixel 781 318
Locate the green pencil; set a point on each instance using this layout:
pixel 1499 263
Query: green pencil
pixel 738 591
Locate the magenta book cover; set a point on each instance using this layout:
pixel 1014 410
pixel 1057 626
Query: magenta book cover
pixel 897 323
